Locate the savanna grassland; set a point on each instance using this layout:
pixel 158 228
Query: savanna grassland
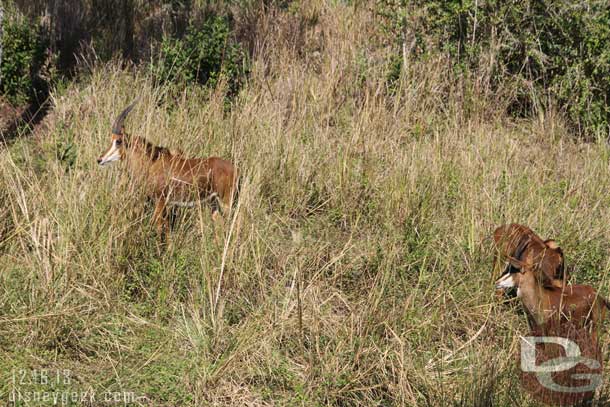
pixel 356 268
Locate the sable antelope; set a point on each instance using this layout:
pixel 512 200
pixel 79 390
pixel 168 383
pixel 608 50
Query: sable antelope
pixel 572 313
pixel 554 309
pixel 519 242
pixel 551 306
pixel 169 178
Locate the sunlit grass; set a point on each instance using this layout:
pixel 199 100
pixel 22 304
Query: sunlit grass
pixel 356 269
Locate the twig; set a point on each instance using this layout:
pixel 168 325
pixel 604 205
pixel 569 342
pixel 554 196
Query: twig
pixel 224 255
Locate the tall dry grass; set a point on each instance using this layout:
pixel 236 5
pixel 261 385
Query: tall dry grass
pixel 357 268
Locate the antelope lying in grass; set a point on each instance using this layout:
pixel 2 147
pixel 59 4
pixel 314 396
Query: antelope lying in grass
pixel 573 314
pixel 550 306
pixel 520 243
pixel 536 268
pixel 555 311
pixel 169 178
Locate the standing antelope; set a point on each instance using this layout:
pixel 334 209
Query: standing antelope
pixel 169 178
pixel 555 310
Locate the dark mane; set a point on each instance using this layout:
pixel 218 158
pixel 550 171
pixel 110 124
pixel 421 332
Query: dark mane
pixel 153 151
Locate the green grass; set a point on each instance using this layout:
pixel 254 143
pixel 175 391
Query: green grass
pixel 359 267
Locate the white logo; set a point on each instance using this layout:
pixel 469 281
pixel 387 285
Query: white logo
pixel 544 370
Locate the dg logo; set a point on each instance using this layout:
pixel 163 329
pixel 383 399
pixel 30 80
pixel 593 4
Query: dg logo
pixel 557 371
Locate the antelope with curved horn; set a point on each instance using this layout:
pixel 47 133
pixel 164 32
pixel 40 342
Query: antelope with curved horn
pixel 548 306
pixel 536 268
pixel 521 243
pixel 170 178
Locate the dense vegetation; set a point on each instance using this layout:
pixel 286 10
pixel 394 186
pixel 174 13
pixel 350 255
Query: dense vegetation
pixel 380 143
pixel 24 50
pixel 532 57
pixel 536 55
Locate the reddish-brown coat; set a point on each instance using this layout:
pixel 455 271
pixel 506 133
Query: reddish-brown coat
pixel 170 178
pixel 521 243
pixel 573 305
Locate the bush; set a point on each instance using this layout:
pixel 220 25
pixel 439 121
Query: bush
pixel 23 56
pixel 550 52
pixel 203 56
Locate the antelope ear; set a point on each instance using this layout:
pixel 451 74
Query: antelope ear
pixel 551 244
pixel 548 281
pixel 547 275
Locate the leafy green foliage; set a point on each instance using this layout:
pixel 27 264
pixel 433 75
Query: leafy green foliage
pixel 204 56
pixel 23 56
pixel 554 53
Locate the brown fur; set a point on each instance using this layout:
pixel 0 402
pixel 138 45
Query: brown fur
pixel 521 243
pixel 171 177
pixel 553 307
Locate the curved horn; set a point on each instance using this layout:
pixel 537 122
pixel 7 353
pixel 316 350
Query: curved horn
pixel 117 127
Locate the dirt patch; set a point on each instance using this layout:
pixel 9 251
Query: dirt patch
pixel 14 118
pixel 9 115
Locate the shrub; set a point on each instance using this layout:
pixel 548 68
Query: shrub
pixel 23 56
pixel 550 52
pixel 202 56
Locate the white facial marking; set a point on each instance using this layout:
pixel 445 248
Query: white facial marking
pixel 506 281
pixel 112 155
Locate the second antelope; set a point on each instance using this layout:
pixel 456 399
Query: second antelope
pixel 536 268
pixel 170 178
pixel 520 243
pixel 549 306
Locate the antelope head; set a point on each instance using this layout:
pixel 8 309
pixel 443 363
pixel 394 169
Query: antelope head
pixel 520 272
pixel 116 151
pixel 508 280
